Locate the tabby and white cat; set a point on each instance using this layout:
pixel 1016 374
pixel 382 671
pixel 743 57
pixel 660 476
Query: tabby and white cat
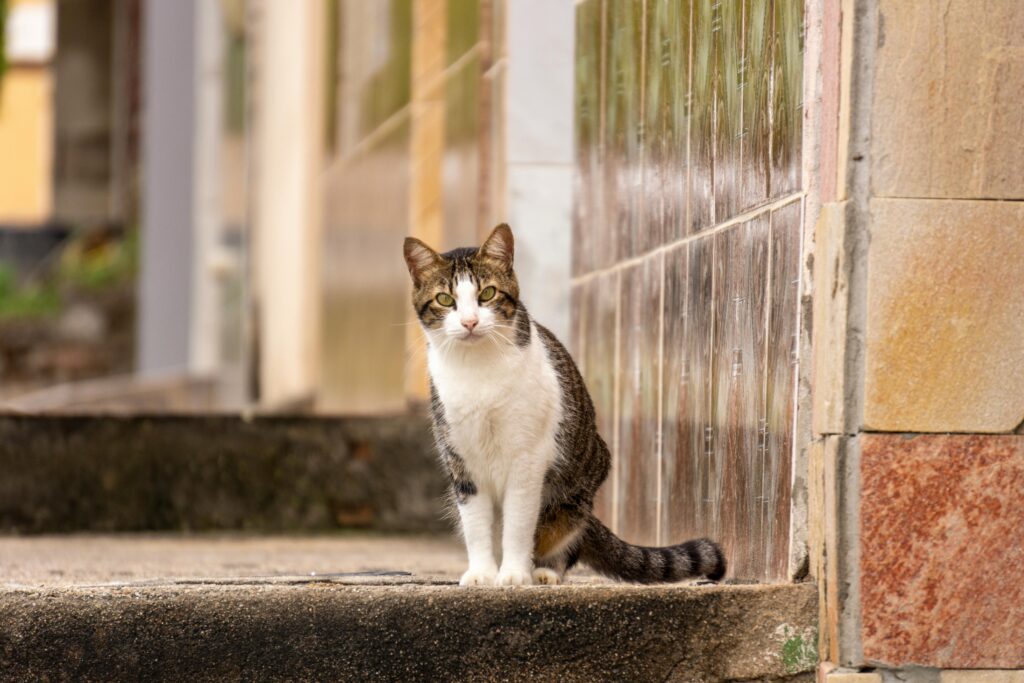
pixel 515 429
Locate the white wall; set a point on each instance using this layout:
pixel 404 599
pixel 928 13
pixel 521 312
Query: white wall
pixel 539 152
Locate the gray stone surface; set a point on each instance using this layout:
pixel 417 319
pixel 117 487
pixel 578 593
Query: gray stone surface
pixel 343 632
pixel 107 473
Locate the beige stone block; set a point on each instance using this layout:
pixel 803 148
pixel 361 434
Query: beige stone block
pixel 978 676
pixel 947 116
pixel 944 337
pixel 831 287
pixel 840 677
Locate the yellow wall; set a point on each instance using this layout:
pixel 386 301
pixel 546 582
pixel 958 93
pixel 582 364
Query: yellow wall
pixel 26 141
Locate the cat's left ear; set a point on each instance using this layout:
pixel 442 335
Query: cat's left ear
pixel 500 246
pixel 420 259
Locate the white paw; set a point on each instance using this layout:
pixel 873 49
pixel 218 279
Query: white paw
pixel 547 577
pixel 477 577
pixel 514 577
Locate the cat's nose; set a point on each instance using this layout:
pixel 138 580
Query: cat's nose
pixel 469 323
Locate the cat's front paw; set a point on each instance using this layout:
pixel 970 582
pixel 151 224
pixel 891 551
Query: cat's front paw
pixel 477 577
pixel 514 577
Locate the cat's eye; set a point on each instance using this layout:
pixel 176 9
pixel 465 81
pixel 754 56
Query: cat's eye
pixel 445 299
pixel 488 293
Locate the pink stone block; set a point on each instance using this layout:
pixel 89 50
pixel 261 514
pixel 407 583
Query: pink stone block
pixel 942 550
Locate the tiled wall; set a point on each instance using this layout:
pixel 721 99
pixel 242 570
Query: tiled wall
pixel 686 246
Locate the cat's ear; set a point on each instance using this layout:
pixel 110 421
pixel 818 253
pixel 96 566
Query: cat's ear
pixel 500 246
pixel 421 259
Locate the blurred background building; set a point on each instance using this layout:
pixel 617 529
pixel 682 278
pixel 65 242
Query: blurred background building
pixel 232 243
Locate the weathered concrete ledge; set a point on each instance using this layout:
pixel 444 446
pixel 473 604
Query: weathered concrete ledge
pixel 144 473
pixel 332 630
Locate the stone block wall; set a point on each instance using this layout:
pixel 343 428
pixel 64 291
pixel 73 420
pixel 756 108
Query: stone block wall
pixel 918 459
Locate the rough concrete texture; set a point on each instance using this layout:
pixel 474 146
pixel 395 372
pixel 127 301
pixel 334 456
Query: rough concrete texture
pixel 108 473
pixel 942 550
pixel 948 88
pixel 91 559
pixel 333 631
pixel 945 316
pixel 975 676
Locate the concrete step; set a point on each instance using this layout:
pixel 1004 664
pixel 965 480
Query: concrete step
pixel 368 609
pixel 64 473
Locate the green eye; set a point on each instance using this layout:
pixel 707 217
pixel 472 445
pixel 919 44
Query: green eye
pixel 445 299
pixel 488 293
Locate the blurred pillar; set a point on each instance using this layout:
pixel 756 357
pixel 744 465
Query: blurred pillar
pixel 167 249
pixel 181 213
pixel 287 153
pixel 426 207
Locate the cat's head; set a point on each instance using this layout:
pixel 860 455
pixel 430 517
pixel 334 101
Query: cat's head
pixel 466 294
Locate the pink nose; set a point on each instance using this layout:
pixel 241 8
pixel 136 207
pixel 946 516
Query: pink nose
pixel 470 323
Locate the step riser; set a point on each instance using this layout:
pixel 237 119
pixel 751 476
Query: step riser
pixel 66 474
pixel 407 633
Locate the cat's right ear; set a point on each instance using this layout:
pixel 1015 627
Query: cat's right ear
pixel 420 259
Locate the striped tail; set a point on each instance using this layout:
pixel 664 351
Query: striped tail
pixel 607 554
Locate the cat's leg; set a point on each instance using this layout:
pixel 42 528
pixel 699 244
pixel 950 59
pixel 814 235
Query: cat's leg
pixel 520 511
pixel 476 512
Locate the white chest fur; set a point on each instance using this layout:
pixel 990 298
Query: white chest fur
pixel 502 405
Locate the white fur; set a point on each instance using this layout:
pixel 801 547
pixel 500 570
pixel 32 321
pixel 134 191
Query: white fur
pixel 502 404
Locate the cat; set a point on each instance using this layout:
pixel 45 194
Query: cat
pixel 515 430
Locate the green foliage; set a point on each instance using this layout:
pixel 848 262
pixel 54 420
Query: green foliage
pixel 27 301
pixel 3 33
pixel 99 267
pixel 80 268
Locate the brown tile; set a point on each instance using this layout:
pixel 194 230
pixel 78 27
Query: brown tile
pixel 945 316
pixel 679 461
pixel 780 387
pixel 665 120
pixel 587 217
pixel 756 81
pixel 738 468
pixel 787 96
pixel 949 127
pixel 700 189
pixel 599 304
pixel 639 376
pixel 942 550
pixel 727 50
pixel 623 191
pixel 699 361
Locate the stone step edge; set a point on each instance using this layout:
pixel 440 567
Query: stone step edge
pixel 323 631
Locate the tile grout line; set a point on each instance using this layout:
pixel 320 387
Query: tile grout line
pixel 762 418
pixel 732 222
pixel 660 434
pixel 616 455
